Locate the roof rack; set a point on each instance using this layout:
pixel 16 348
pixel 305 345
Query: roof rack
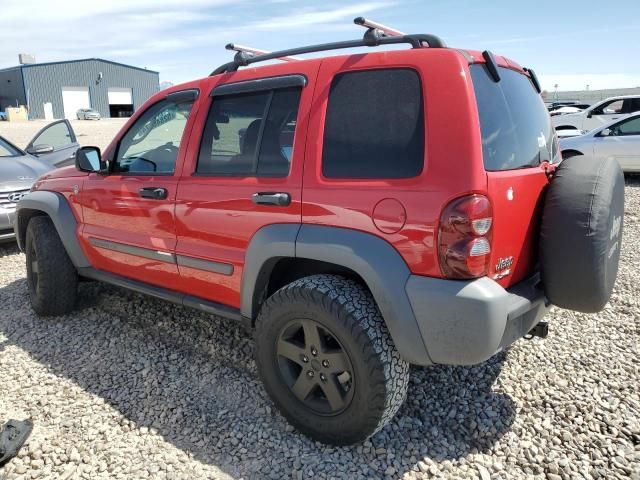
pixel 256 51
pixel 376 34
pixel 370 24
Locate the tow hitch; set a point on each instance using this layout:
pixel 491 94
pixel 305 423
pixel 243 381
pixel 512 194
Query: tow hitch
pixel 540 330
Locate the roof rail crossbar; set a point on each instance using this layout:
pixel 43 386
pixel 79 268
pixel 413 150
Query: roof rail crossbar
pixel 243 59
pixel 256 51
pixel 387 31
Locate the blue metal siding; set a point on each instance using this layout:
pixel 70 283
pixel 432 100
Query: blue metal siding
pixel 11 88
pixel 44 83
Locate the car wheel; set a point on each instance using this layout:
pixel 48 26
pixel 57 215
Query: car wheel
pixel 51 277
pixel 327 360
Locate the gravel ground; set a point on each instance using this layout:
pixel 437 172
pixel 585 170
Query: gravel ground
pixel 133 387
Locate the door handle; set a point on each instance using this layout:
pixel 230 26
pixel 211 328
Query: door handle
pixel 154 193
pixel 279 199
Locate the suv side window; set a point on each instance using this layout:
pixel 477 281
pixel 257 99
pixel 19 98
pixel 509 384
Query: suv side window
pixel 374 125
pixel 631 105
pixel 610 108
pixel 250 134
pixel 151 145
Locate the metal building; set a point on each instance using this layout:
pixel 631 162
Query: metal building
pixel 59 89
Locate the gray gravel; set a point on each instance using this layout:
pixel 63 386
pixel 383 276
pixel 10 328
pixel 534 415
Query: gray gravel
pixel 132 387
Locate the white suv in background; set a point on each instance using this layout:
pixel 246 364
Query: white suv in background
pixel 598 114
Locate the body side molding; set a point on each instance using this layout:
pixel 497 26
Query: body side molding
pixel 157 255
pixel 55 205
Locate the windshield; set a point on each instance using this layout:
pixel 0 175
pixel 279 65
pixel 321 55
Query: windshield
pixel 514 123
pixel 7 150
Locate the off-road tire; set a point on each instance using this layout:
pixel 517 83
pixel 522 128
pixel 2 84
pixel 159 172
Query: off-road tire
pixel 349 311
pixel 52 280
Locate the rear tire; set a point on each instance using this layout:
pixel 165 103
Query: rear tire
pixel 51 277
pixel 342 316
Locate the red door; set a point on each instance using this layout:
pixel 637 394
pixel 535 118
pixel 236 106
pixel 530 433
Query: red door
pixel 129 222
pixel 252 144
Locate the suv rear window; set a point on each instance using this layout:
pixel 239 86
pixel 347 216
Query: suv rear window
pixel 374 126
pixel 514 123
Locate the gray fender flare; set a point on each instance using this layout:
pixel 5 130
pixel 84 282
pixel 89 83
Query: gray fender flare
pixel 372 258
pixel 56 207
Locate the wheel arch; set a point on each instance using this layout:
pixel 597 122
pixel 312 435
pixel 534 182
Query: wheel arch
pixel 55 206
pixel 572 151
pixel 283 252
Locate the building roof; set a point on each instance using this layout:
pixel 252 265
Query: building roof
pixel 29 65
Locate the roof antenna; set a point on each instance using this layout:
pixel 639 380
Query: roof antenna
pixel 252 52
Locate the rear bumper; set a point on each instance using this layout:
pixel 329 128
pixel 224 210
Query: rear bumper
pixel 467 322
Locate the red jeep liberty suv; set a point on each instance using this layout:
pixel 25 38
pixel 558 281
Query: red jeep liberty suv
pixel 360 213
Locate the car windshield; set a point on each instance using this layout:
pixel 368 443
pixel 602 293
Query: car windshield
pixel 7 150
pixel 514 123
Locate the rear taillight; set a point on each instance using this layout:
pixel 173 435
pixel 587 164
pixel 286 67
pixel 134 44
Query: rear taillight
pixel 464 239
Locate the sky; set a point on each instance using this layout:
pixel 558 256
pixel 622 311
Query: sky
pixel 567 42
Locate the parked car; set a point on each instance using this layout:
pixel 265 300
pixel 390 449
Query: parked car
pixel 599 114
pixel 569 132
pixel 619 140
pixel 88 114
pixel 330 205
pixel 565 110
pixel 53 146
pixel 560 103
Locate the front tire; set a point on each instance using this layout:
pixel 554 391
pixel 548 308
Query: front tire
pixel 327 360
pixel 51 277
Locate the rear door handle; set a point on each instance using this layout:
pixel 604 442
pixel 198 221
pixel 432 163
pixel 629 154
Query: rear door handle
pixel 279 199
pixel 154 193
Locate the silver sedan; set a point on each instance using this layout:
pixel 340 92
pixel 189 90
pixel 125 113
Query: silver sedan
pixel 619 139
pixel 53 147
pixel 88 114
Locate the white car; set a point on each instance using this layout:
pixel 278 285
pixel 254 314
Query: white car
pixel 598 114
pixel 565 110
pixel 88 114
pixel 619 139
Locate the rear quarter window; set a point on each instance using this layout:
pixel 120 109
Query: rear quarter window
pixel 374 125
pixel 514 123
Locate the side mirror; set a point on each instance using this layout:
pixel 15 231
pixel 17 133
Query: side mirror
pixel 88 159
pixel 590 114
pixel 39 149
pixel 606 132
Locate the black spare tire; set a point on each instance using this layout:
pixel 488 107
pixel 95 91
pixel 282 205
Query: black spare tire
pixel 581 233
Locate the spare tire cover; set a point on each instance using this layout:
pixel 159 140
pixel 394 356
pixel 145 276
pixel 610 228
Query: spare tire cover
pixel 581 233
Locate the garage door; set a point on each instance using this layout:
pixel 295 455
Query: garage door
pixel 73 99
pixel 120 102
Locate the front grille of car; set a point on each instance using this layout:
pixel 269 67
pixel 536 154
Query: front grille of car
pixel 8 200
